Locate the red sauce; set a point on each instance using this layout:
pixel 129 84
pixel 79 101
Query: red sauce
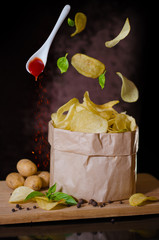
pixel 36 66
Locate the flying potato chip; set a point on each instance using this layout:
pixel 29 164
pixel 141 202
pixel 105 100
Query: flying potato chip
pixel 87 66
pixel 124 32
pixel 80 23
pixel 129 92
pixel 87 121
pixel 139 199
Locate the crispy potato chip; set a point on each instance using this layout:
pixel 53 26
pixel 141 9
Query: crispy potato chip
pixel 105 110
pixel 139 199
pixel 66 107
pixel 62 120
pixel 46 204
pixel 124 32
pixel 129 92
pixel 132 123
pixel 87 66
pixel 19 194
pixel 99 108
pixel 123 123
pixel 80 23
pixel 87 121
pixel 65 123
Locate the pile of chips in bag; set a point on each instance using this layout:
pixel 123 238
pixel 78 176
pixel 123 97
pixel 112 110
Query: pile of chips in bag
pixel 89 117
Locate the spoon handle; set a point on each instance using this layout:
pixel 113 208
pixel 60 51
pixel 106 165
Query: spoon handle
pixel 60 20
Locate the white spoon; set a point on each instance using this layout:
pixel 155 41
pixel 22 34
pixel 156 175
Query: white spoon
pixel 42 53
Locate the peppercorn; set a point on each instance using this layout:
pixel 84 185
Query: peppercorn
pixel 94 203
pixel 13 210
pixel 101 204
pixel 81 201
pixel 90 201
pixel 78 205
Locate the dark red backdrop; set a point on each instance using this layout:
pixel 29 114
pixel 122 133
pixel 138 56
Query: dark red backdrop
pixel 26 105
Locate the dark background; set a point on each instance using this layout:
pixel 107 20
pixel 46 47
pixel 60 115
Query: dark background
pixel 26 105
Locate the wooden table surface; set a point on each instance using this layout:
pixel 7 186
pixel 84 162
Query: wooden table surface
pixel 146 184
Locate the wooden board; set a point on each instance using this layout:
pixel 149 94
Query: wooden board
pixel 146 184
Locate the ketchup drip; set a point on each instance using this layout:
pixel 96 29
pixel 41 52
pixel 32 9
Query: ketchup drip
pixel 36 66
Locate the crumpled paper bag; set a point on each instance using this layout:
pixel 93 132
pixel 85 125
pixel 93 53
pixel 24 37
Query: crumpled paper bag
pixel 101 166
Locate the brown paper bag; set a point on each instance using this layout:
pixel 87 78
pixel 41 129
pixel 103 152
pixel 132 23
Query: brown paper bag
pixel 101 166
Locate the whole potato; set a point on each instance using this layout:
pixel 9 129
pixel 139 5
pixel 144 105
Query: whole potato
pixel 26 167
pixel 33 182
pixel 14 180
pixel 45 177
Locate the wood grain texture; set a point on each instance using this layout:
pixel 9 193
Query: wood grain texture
pixel 146 184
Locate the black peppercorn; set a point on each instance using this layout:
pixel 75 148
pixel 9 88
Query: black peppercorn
pixel 13 210
pixel 90 201
pixel 94 203
pixel 101 204
pixel 81 201
pixel 78 205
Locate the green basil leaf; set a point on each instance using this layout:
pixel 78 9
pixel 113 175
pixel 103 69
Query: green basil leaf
pixel 70 22
pixel 60 195
pixel 102 80
pixel 63 63
pixel 34 194
pixel 51 190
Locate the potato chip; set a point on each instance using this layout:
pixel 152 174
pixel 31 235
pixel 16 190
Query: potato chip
pixel 132 123
pixel 99 108
pixel 19 194
pixel 129 92
pixel 87 66
pixel 87 121
pixel 66 107
pixel 124 32
pixel 62 120
pixel 46 204
pixel 80 23
pixel 105 110
pixel 122 123
pixel 139 199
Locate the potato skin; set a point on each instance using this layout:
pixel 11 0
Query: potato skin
pixel 14 180
pixel 45 177
pixel 33 182
pixel 26 167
